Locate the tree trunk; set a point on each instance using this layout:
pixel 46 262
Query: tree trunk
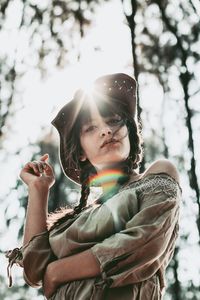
pixel 185 79
pixel 132 25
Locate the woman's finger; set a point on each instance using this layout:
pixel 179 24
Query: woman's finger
pixel 38 167
pixel 44 167
pixel 32 166
pixel 48 169
pixel 44 157
pixel 41 166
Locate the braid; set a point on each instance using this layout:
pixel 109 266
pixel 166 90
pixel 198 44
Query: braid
pixel 136 140
pixel 85 189
pixel 64 214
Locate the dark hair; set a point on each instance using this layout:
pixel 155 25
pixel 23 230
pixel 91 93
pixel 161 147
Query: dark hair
pixel 106 109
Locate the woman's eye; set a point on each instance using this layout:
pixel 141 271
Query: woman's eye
pixel 90 128
pixel 115 121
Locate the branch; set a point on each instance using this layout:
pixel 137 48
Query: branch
pixel 195 93
pixel 172 29
pixel 194 8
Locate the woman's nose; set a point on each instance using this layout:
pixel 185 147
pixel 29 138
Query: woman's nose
pixel 105 131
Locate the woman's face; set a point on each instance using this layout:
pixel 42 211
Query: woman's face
pixel 104 140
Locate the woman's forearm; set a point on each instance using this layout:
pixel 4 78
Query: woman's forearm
pixel 79 266
pixel 36 211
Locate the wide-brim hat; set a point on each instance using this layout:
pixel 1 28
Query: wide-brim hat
pixel 119 88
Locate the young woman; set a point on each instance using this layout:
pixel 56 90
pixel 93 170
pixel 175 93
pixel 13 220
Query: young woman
pixel 119 246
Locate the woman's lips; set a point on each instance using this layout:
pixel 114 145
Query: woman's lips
pixel 109 142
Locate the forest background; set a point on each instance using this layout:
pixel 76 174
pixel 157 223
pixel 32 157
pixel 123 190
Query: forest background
pixel 48 49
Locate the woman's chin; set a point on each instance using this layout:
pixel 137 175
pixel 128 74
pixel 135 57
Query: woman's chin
pixel 110 163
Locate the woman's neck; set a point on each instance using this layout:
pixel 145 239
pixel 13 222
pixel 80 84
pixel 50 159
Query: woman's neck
pixel 111 178
pixel 110 187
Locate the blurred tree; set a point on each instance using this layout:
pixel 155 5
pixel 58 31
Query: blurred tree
pixel 182 54
pixel 165 38
pixel 170 46
pixel 131 20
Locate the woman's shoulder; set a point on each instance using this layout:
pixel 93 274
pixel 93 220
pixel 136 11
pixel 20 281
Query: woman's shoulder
pixel 163 166
pixel 161 172
pixel 157 169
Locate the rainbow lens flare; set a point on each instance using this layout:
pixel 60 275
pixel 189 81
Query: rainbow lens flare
pixel 107 178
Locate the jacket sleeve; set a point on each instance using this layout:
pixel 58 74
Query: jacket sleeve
pixel 147 242
pixel 33 257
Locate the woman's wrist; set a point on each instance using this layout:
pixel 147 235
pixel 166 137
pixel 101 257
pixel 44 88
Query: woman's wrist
pixel 53 278
pixel 53 271
pixel 38 199
pixel 38 187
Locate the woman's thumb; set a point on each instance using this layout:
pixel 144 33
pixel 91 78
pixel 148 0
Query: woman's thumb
pixel 45 157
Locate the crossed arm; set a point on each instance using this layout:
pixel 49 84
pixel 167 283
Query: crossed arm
pixel 76 267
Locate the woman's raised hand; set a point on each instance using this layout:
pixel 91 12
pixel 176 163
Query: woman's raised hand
pixel 38 173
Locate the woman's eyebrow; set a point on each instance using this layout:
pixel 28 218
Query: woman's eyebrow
pixel 94 120
pixel 88 121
